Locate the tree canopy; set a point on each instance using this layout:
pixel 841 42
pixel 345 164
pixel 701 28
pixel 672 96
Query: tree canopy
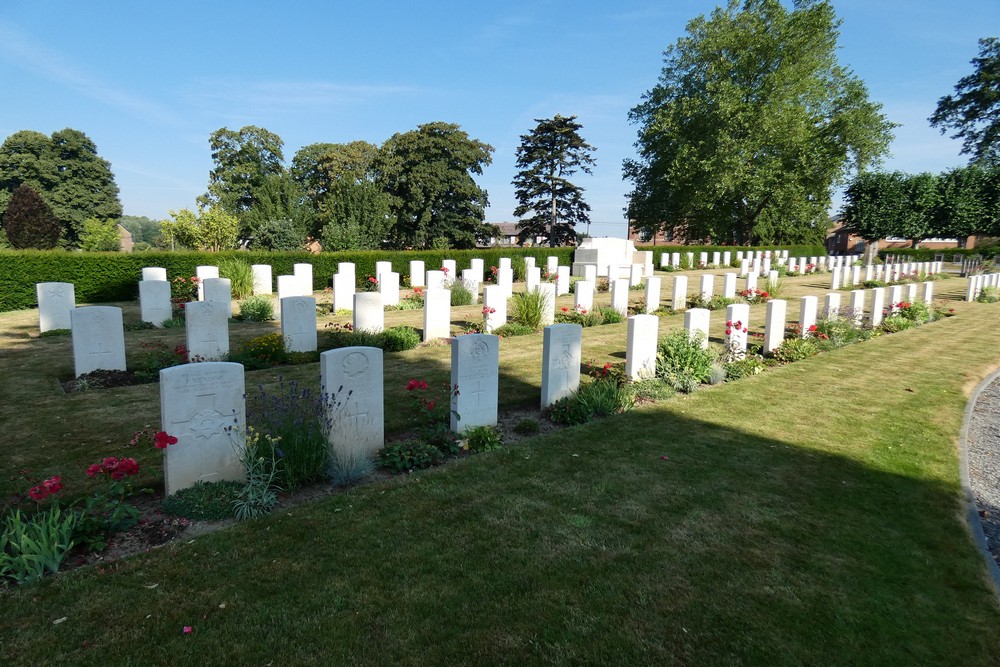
pixel 66 171
pixel 551 153
pixel 213 229
pixel 427 174
pixel 974 110
pixel 100 236
pixel 28 221
pixel 751 125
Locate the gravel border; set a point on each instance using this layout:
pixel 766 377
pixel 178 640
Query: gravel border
pixel 979 442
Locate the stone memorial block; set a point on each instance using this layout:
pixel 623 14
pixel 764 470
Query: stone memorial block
pixel 450 267
pixel 972 291
pixel 583 299
pixel 869 272
pixel 729 285
pixel 737 329
pixel 619 296
pixel 696 322
pixel 652 294
pixel 716 258
pixel 878 306
pixel 911 292
pixel 154 301
pixel 855 275
pixel 417 273
pixel 353 379
pixel 382 267
pixel 590 274
pixel 765 266
pixel 635 274
pixel 878 272
pixel 475 372
pixel 220 291
pixel 55 303
pixel 835 278
pixel 690 259
pixel 807 314
pixel 504 263
pixel 437 280
pixel 348 269
pixel 744 268
pixel 206 326
pixel 772 277
pixel 821 265
pixel 202 272
pixel 343 291
pixel 831 305
pixel 562 346
pixel 437 313
pixel 388 287
pixel 928 293
pixel 298 323
pixel 664 260
pixel 471 281
pixel 98 339
pixel 369 312
pixel 202 405
pixel 532 279
pixel 679 295
pixel 562 280
pixel 551 264
pixel 751 283
pixel 645 258
pixel 262 282
pixel 505 279
pixel 858 306
pixel 154 273
pixel 702 259
pixel 494 307
pixel 756 266
pixel 304 272
pixel 476 264
pixel 707 286
pixel 727 258
pixel 548 292
pixel 675 259
pixel 601 253
pixel 895 297
pixel 774 324
pixel 288 286
pixel 640 351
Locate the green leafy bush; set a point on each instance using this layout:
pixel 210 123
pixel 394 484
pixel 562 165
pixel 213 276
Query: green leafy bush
pixel 240 275
pixel 483 439
pixel 988 294
pixel 258 308
pixel 511 329
pixel 609 315
pixel 399 339
pixel 406 455
pixel 795 349
pixel 264 463
pixel 751 364
pixel 896 323
pixel 395 339
pixel 682 362
pixel 460 294
pixel 208 501
pixel 261 352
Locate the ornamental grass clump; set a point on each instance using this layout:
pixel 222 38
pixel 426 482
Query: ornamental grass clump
pixel 257 308
pixel 292 420
pixel 240 275
pixel 527 308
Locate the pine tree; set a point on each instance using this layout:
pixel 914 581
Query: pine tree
pixel 29 221
pixel 547 157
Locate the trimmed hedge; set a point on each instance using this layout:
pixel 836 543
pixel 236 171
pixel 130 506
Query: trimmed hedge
pixel 114 276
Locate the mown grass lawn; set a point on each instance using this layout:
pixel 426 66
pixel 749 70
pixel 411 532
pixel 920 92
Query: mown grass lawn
pixel 810 515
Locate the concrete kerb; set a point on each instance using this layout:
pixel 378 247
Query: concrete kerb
pixel 971 509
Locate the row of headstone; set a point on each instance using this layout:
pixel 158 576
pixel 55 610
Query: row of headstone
pixel 978 282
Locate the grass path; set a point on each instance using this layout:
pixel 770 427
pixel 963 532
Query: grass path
pixel 809 515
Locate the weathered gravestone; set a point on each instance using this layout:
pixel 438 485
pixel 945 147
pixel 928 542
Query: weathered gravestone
pixel 583 299
pixel 98 339
pixel 548 297
pixel 475 372
pixel 154 301
pixel 206 326
pixel 494 308
pixel 262 279
pixel 369 313
pixel 652 294
pixel 202 405
pixel 640 350
pixel 352 379
pixel 298 323
pixel 388 287
pixel 154 273
pixel 437 314
pixel 561 357
pixel 55 303
pixel 696 322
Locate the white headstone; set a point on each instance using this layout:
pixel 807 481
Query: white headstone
pixel 679 296
pixel 154 301
pixel 417 273
pixel 737 329
pixel 220 291
pixel 343 291
pixel 727 258
pixel 202 405
pixel 548 292
pixel 437 313
pixel 494 307
pixel 551 265
pixel 352 378
pixel 702 259
pixel 640 351
pixel 583 299
pixel 835 278
pixel 154 273
pixel 635 274
pixel 911 292
pixel 202 272
pixel 380 268
pixel 590 274
pixel 348 269
pixel 436 279
pixel 895 297
pixel 744 268
pixel 729 285
pixel 716 258
pixel 619 296
pixel 476 264
pixel 287 286
pixel 98 339
pixel 206 326
pixel 807 314
pixel 751 282
pixel 55 303
pixel 562 280
pixel 831 305
pixel 562 346
pixel 304 272
pixel 858 306
pixel 878 306
pixel 450 268
pixel 652 294
pixel 388 287
pixel 532 279
pixel 504 263
pixel 475 372
pixel 298 323
pixel 505 278
pixel 369 313
pixel 697 320
pixel 471 281
pixel 262 283
pixel 774 324
pixel 707 286
pixel 928 293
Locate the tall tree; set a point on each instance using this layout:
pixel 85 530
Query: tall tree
pixel 874 202
pixel 427 174
pixel 358 217
pixel 67 171
pixel 278 197
pixel 213 229
pixel 547 157
pixel 962 205
pixel 244 160
pixel 100 236
pixel 751 125
pixel 327 172
pixel 974 110
pixel 29 222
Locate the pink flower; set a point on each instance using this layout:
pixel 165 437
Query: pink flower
pixel 93 470
pixel 109 463
pixel 729 332
pixel 38 492
pixel 187 629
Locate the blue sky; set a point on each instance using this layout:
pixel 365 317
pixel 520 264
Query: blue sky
pixel 150 81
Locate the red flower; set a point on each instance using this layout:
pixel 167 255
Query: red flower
pixel 565 309
pixel 744 329
pixel 729 332
pixel 53 485
pixel 162 439
pixel 430 405
pixel 38 493
pixel 117 475
pixel 729 323
pixel 128 466
pixel 93 470
pixel 812 327
pixel 411 385
pixel 445 269
pixel 109 463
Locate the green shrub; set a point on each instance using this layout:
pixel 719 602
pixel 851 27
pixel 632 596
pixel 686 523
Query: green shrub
pixel 55 332
pixel 527 308
pixel 682 362
pixel 600 398
pixel 395 339
pixel 32 546
pixel 751 364
pixel 839 330
pixel 988 294
pixel 896 323
pixel 154 356
pixel 609 315
pixel 795 349
pixel 399 339
pixel 483 439
pixel 511 329
pixel 652 389
pixel 407 455
pixel 209 501
pixel 261 352
pixel 258 308
pixel 460 294
pixel 240 275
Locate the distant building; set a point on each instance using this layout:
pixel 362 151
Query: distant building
pixel 506 235
pixel 125 239
pixel 842 239
pixel 676 235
